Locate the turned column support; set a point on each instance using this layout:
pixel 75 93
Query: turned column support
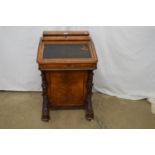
pixel 88 104
pixel 45 107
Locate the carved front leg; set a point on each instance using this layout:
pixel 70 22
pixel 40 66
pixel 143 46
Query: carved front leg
pixel 45 108
pixel 89 109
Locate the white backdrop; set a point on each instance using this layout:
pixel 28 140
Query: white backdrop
pixel 126 66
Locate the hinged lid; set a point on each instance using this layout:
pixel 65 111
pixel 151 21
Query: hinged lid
pixel 68 33
pixel 66 50
pixel 65 35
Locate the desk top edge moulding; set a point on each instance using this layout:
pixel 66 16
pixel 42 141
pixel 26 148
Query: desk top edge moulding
pixel 66 60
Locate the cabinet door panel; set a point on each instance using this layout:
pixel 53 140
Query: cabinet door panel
pixel 67 88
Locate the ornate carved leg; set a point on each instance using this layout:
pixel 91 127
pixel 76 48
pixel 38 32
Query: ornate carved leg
pixel 89 109
pixel 45 108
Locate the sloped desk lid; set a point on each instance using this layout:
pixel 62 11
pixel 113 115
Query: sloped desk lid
pixel 66 50
pixel 53 51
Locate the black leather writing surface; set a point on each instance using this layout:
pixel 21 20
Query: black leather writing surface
pixel 66 51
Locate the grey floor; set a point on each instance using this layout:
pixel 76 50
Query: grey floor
pixel 23 110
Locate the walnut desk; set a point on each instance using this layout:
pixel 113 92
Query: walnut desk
pixel 66 61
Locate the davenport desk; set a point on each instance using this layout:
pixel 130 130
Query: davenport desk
pixel 66 61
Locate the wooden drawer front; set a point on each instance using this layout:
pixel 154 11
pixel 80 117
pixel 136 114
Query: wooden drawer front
pixel 67 88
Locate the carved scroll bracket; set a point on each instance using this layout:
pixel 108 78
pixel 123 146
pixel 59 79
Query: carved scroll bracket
pixel 45 107
pixel 89 109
